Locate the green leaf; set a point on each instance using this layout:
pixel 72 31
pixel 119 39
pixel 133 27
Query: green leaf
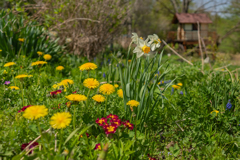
pixel 82 131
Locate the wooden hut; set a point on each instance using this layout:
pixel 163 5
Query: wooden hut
pixel 187 30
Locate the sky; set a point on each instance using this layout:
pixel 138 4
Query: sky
pixel 212 3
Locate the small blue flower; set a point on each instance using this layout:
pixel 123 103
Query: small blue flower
pixel 158 72
pixel 117 65
pixel 172 91
pixel 229 105
pixel 104 75
pixel 109 60
pixel 167 81
pixel 95 59
pixel 101 63
pixel 181 92
pixel 122 65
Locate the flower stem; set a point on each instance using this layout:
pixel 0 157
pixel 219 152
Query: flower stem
pixel 81 77
pixel 74 116
pixel 22 94
pixel 131 118
pixel 135 128
pixel 106 106
pixel 61 139
pixel 88 74
pixel 88 96
pixel 19 52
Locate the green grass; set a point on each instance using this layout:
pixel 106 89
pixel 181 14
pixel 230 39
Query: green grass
pixel 181 122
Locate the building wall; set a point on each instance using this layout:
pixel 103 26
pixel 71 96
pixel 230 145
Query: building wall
pixel 189 32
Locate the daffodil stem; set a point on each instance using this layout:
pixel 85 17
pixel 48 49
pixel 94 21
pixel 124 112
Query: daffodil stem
pixel 105 106
pixel 74 116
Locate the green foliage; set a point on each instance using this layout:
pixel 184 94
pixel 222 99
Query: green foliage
pixel 13 27
pixel 172 125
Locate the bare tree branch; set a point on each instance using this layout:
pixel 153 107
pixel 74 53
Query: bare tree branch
pixel 202 6
pixel 213 6
pixel 174 5
pixel 169 10
pixel 231 31
pixel 69 20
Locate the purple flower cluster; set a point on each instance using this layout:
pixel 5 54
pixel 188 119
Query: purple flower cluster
pixel 229 105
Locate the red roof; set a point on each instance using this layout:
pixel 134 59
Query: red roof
pixel 191 18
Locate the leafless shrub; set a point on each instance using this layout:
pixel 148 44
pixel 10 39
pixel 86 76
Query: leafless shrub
pixel 87 25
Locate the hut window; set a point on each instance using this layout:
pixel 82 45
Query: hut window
pixel 195 27
pixel 188 27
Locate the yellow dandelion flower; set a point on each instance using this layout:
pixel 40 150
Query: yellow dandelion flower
pixel 60 120
pixel 9 64
pixel 14 87
pixel 66 82
pixel 129 60
pixel 98 98
pixel 180 84
pixel 68 104
pixel 21 39
pixel 55 86
pixel 0 50
pixel 76 97
pixel 40 53
pixel 216 111
pixel 5 72
pixel 91 83
pixel 133 103
pixel 59 68
pixel 120 93
pixel 87 66
pixel 65 152
pixel 35 112
pixel 107 89
pixel 176 86
pixel 116 85
pixel 162 82
pixel 21 76
pixel 39 63
pixel 47 57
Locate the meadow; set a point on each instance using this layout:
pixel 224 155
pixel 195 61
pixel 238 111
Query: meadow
pixel 138 104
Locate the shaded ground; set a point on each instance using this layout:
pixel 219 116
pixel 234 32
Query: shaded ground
pixel 235 59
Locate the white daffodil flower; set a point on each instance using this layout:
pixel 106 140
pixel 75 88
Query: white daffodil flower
pixel 154 42
pixel 142 48
pixel 135 38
